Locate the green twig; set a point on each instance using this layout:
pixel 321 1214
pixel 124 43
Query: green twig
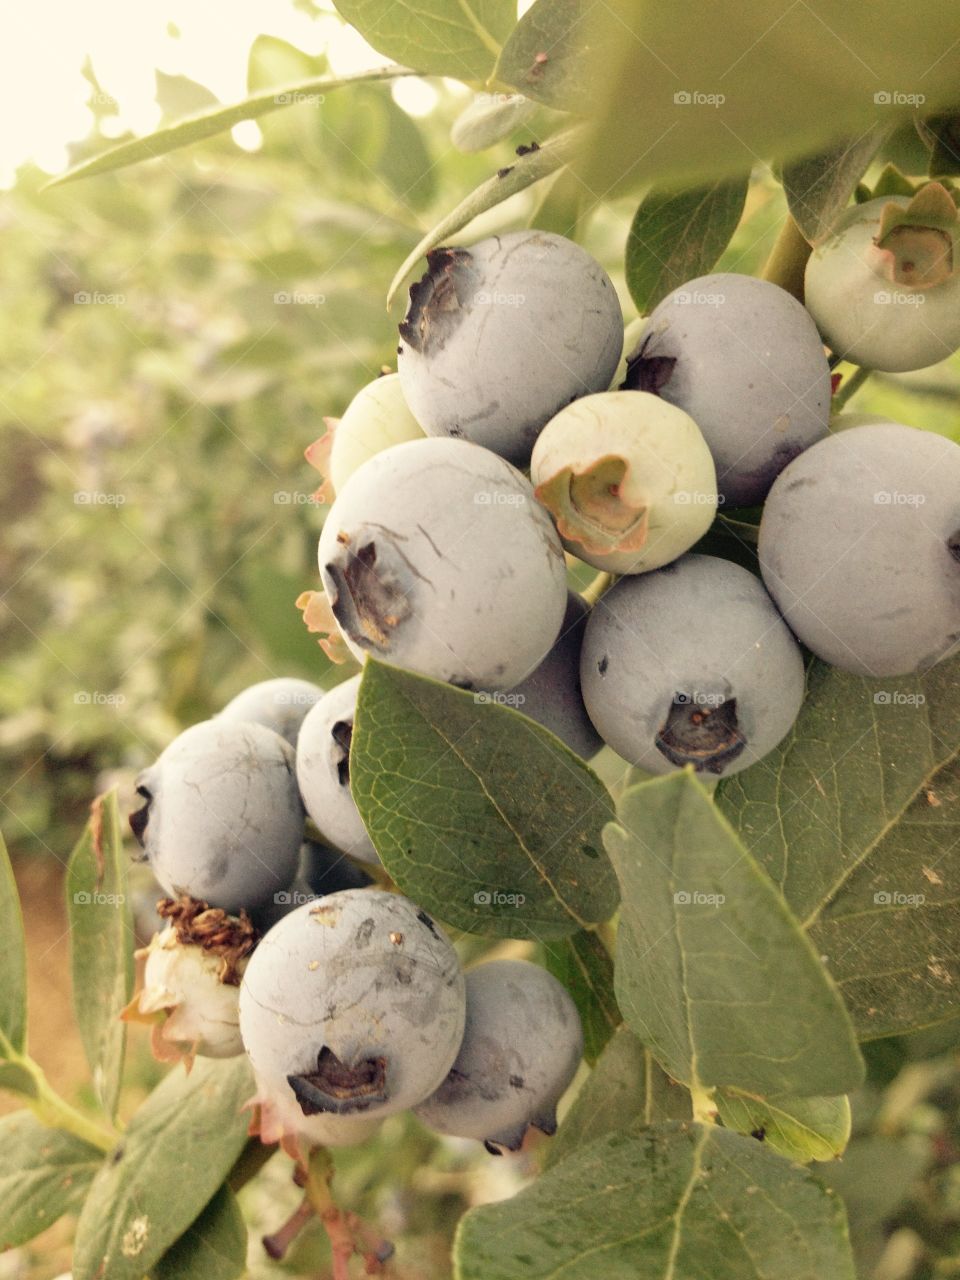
pixel 849 388
pixel 601 583
pixel 788 259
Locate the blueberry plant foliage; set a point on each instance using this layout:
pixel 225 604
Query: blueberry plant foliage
pixel 733 950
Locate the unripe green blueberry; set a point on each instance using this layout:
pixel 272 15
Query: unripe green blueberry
pixel 628 479
pixel 885 293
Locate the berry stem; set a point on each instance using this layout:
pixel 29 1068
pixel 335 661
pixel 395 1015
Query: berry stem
pixel 849 388
pixel 788 259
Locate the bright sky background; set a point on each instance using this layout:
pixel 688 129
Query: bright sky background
pixel 43 45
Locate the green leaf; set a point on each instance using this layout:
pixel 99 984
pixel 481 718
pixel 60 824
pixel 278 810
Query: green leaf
pixel 544 57
pixel 582 963
pixel 819 187
pixel 460 38
pixel 688 94
pixel 13 959
pixel 802 1129
pixel 525 171
pixel 678 235
pixel 207 124
pixel 101 946
pixel 713 973
pixel 141 1202
pixel 44 1173
pixel 212 1248
pixel 855 818
pixel 625 1086
pixel 478 813
pixel 488 119
pixel 675 1202
pixel 18 1079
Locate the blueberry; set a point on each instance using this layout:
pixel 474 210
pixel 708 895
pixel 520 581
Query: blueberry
pixel 500 336
pixel 744 359
pixel 691 665
pixel 279 704
pixel 323 771
pixel 437 557
pixel 551 694
pixel 882 286
pixel 521 1048
pixel 222 819
pixel 860 547
pixel 376 418
pixel 353 1005
pixel 628 479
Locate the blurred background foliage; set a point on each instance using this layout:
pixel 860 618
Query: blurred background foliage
pixel 172 337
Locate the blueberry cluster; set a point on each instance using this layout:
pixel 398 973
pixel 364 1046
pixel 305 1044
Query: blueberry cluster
pixel 440 555
pixel 348 1000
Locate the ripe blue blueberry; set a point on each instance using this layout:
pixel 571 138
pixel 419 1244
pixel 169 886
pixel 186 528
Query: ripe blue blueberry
pixel 745 361
pixel 860 547
pixel 521 1048
pixel 323 771
pixel 437 557
pixel 500 336
pixel 279 704
pixel 691 665
pixel 353 1005
pixel 551 694
pixel 222 819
